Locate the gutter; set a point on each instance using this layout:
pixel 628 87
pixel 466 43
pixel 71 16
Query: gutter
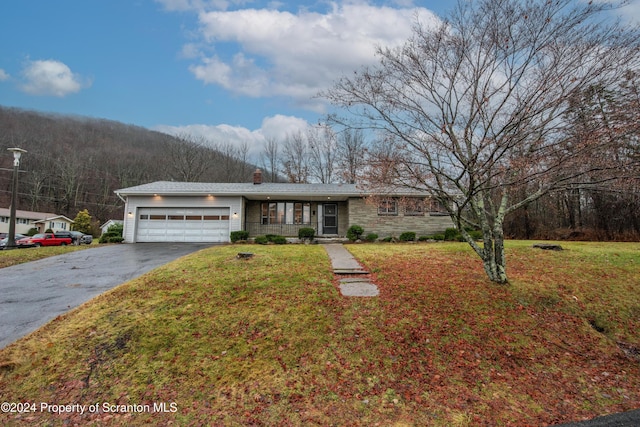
pixel 120 197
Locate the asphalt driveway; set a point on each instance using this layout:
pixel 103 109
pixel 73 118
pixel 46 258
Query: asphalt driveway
pixel 34 293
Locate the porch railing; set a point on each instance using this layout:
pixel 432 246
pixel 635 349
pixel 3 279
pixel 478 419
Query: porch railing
pixel 286 230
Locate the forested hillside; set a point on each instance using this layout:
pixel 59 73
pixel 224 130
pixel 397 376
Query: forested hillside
pixel 75 163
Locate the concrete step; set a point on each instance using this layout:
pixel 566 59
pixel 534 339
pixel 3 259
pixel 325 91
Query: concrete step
pixel 343 263
pixel 349 271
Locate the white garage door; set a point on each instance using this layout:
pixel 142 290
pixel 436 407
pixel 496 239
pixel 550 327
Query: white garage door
pixel 183 225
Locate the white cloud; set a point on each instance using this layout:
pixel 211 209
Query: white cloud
pixel 631 12
pixel 280 127
pixel 3 75
pixel 50 77
pixel 279 53
pixel 277 127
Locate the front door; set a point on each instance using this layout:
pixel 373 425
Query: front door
pixel 330 218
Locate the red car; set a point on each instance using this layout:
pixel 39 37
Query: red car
pixel 43 239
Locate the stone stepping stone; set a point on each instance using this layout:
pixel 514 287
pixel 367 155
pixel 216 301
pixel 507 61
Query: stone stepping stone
pixel 358 288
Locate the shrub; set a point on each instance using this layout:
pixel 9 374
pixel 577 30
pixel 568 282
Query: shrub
pixel 387 239
pixel 238 235
pixel 107 238
pixel 425 238
pixel 32 232
pixel 306 233
pixel 476 234
pixel 408 236
pixel 270 238
pixel 354 232
pixel 371 237
pixel 113 234
pixel 451 234
pixel 438 237
pixel 278 240
pixel 82 222
pixel 261 240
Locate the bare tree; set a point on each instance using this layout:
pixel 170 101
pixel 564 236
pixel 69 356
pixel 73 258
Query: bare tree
pixel 322 153
pixel 242 157
pixel 190 157
pixel 295 158
pixel 351 155
pixel 227 161
pixel 69 181
pixel 476 106
pixel 270 159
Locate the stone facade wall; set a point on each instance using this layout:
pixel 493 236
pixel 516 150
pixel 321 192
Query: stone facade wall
pixel 355 211
pixel 366 215
pixel 343 218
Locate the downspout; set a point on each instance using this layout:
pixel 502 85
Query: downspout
pixel 124 222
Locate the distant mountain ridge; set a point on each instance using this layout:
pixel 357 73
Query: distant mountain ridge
pixel 74 163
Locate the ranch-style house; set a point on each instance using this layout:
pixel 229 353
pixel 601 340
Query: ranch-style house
pixel 166 211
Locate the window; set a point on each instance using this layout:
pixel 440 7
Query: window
pixel 436 207
pixel 280 218
pixel 286 213
pixel 388 207
pixel 414 207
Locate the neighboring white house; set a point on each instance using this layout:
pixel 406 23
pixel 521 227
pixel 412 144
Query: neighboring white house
pixel 104 227
pixel 208 212
pixel 26 220
pixel 54 223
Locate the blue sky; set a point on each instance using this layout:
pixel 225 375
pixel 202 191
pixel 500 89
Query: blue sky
pixel 227 70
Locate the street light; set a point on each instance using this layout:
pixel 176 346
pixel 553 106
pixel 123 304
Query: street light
pixel 11 239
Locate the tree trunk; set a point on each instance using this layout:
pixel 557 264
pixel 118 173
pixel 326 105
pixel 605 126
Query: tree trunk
pixel 498 271
pixel 492 252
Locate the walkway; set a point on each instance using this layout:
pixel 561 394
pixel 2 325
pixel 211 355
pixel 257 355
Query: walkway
pixel 354 279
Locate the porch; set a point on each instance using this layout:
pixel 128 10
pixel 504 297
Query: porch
pixel 286 218
pixel 286 230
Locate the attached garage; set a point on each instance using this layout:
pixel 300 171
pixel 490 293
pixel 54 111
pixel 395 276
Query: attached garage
pixel 183 224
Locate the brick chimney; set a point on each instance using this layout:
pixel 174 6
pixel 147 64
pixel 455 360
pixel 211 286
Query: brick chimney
pixel 257 177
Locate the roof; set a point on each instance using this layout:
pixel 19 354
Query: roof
pixel 26 214
pixel 248 190
pixel 111 222
pixel 258 191
pixel 55 217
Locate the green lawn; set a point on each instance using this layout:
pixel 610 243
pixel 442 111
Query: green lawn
pixel 270 341
pixel 19 256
